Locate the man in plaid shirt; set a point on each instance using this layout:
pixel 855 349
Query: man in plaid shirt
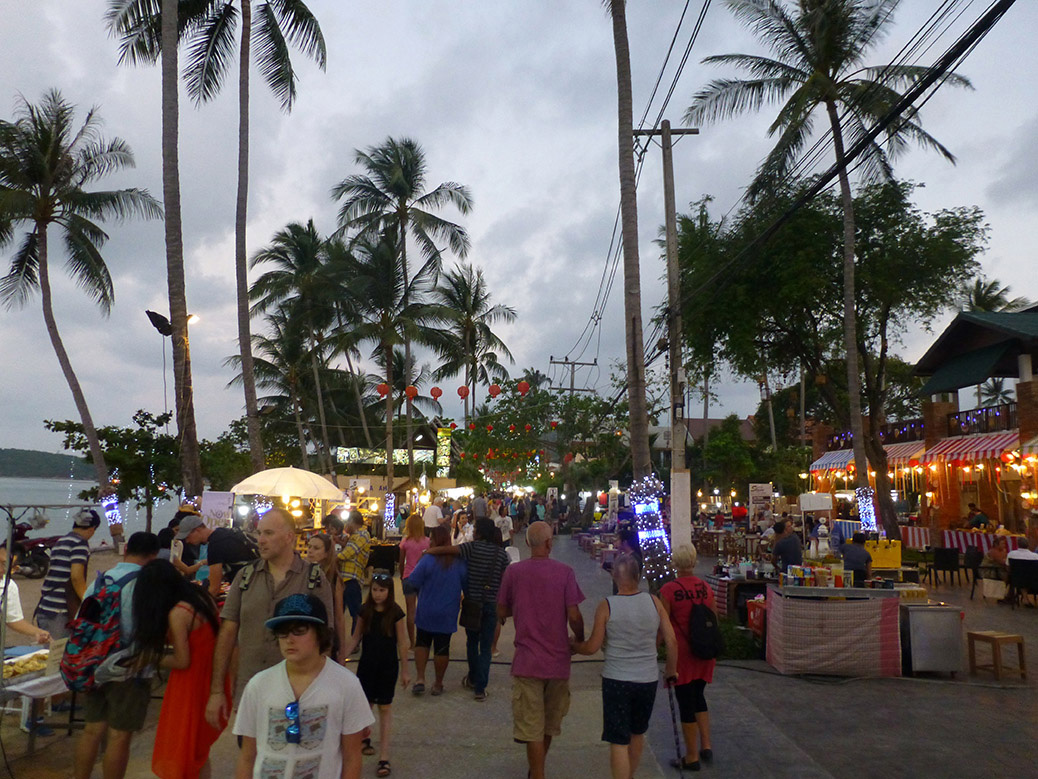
pixel 352 561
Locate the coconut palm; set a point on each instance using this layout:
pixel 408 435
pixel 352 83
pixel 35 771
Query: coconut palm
pixel 391 194
pixel 986 295
pixel 388 310
pixel 210 27
pixel 820 47
pixel 304 283
pixel 472 348
pixel 46 163
pixel 994 392
pixel 639 415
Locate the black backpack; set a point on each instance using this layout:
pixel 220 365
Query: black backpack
pixel 704 632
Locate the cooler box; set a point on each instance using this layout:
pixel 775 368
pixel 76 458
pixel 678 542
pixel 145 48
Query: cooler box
pixel 885 553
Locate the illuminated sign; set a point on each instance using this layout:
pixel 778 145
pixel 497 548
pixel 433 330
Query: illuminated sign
pixel 652 507
pixel 443 452
pixel 654 533
pixel 354 454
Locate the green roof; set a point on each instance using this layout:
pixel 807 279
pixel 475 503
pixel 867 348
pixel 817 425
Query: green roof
pixel 972 332
pixel 965 370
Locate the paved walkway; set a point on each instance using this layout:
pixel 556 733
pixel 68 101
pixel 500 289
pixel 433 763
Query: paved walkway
pixel 765 725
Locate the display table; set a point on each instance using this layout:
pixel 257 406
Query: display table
pixel 34 689
pixel 844 631
pixel 729 593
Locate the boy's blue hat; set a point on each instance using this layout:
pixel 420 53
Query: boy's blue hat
pixel 298 608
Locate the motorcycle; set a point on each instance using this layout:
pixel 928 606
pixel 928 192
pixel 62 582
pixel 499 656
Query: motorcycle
pixel 31 556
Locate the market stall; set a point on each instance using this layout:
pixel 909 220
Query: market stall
pixel 960 539
pixel 730 594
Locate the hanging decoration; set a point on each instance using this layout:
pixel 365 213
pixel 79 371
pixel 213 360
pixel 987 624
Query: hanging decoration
pixel 529 427
pixel 523 387
pixel 511 428
pixel 472 425
pixel 494 390
pixel 435 393
pixel 490 428
pixel 454 425
pixel 411 391
pixel 554 424
pixel 866 509
pixel 463 392
pixel 382 389
pixel 646 494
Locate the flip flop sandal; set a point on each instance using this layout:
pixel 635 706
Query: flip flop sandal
pixel 466 683
pixel 383 768
pixel 367 749
pixel 437 689
pixel 418 689
pixel 681 765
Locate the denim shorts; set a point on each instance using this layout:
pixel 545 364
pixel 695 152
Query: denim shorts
pixel 408 588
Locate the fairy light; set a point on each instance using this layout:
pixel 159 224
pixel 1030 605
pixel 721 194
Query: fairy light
pixel 390 511
pixel 110 504
pixel 866 512
pixel 646 495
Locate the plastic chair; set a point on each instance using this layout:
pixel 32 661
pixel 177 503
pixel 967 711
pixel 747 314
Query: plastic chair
pixel 971 561
pixel 946 561
pixel 1023 579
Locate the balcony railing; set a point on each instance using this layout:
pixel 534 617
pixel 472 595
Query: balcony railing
pixel 892 433
pixel 993 419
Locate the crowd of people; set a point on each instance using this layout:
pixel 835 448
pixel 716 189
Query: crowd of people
pixel 254 635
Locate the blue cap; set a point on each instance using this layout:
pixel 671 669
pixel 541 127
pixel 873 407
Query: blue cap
pixel 298 608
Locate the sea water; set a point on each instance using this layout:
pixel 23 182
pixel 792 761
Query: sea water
pixel 20 492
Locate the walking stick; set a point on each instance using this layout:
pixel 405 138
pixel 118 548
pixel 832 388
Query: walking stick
pixel 674 724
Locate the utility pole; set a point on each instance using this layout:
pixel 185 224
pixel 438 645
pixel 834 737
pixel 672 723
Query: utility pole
pixel 573 365
pixel 680 481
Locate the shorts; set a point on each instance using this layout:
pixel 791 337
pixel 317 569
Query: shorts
pixel 440 642
pixel 691 699
pixel 123 705
pixel 626 709
pixel 55 624
pixel 408 588
pixel 538 706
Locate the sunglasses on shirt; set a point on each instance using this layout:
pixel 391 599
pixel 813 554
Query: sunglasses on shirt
pixel 292 732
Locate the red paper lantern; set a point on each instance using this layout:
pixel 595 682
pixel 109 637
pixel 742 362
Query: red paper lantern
pixel 462 455
pixel 913 463
pixel 411 391
pixel 435 392
pixel 382 389
pixel 463 392
pixel 454 425
pixel 568 458
pixel 554 424
pixel 529 428
pixel 490 428
pixel 472 425
pixel 495 390
pixel 523 387
pixel 511 428
pixel 1007 457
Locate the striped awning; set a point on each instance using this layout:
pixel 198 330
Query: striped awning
pixel 829 461
pixel 1030 447
pixel 973 447
pixel 901 454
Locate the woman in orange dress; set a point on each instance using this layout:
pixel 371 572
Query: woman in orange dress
pixel 169 609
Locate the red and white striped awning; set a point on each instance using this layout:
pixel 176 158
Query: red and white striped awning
pixel 832 461
pixel 901 454
pixel 973 447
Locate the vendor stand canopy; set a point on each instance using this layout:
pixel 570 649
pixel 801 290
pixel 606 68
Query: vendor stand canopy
pixel 295 482
pixel 1029 448
pixel 983 446
pixel 897 455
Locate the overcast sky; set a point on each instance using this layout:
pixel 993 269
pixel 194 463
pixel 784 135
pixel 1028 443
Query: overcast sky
pixel 517 100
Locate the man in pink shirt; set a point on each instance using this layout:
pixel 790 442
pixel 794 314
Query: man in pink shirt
pixel 542 596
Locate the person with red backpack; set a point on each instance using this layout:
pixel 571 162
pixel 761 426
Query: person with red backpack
pixel 689 603
pixel 116 708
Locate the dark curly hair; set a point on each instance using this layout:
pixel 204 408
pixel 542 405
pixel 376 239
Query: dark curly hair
pixel 159 588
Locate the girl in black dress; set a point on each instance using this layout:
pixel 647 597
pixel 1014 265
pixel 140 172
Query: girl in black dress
pixel 381 630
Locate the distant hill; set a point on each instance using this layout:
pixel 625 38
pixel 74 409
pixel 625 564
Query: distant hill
pixel 27 463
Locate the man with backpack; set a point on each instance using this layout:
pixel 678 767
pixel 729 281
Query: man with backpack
pixel 115 708
pixel 230 549
pixel 256 588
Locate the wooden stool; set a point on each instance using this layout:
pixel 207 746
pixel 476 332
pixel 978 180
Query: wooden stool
pixel 996 639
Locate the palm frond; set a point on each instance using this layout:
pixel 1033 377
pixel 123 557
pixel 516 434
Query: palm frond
pixel 273 57
pixel 22 280
pixel 210 52
pixel 87 267
pixel 119 204
pixel 301 29
pixel 724 98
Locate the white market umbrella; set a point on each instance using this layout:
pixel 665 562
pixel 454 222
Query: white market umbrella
pixel 298 483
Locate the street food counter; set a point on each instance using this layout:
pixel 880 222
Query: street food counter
pixel 731 595
pixel 839 631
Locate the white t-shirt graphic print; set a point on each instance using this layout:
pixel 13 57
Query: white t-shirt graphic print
pixel 332 705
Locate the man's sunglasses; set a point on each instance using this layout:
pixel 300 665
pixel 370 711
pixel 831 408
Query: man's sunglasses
pixel 298 629
pixel 292 731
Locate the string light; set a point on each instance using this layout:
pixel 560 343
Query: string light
pixel 646 495
pixel 866 511
pixel 110 504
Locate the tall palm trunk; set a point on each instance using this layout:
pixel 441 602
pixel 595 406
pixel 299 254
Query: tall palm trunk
pixel 190 464
pixel 850 324
pixel 96 453
pixel 241 270
pixel 389 419
pixel 706 406
pixel 305 458
pixel 407 349
pixel 326 460
pixel 360 401
pixel 639 420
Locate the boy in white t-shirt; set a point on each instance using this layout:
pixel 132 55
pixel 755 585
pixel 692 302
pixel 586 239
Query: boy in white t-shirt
pixel 307 715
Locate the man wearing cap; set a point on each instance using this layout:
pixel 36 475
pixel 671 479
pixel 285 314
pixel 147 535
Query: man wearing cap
pixel 65 584
pixel 228 551
pixel 278 573
pixel 305 716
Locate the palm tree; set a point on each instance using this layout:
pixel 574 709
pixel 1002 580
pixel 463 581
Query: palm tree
pixel 819 49
pixel 304 282
pixel 639 416
pixel 388 310
pixel 991 295
pixel 472 347
pixel 391 194
pixel 210 26
pixel 994 393
pixel 150 29
pixel 45 165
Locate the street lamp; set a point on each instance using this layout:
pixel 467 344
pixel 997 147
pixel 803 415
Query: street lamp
pixel 165 329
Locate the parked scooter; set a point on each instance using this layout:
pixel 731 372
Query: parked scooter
pixel 31 556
